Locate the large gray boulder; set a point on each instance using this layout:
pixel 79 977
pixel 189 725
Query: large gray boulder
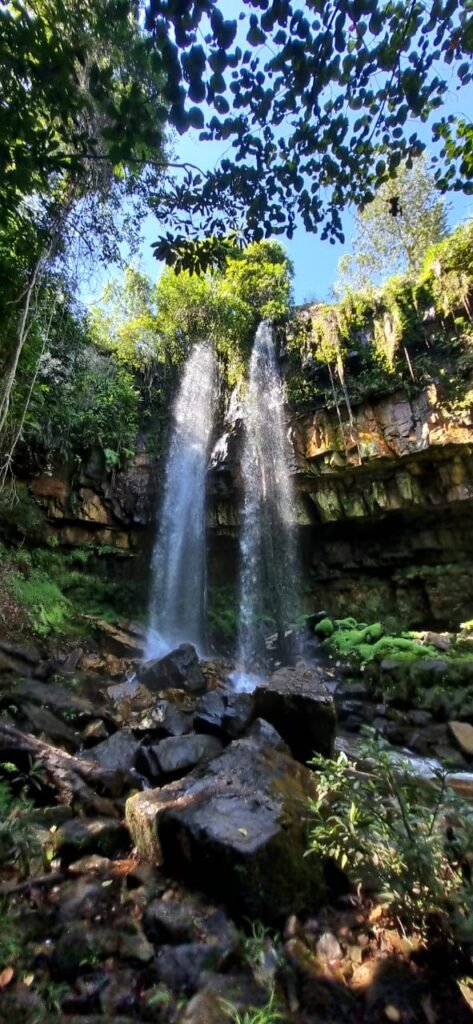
pixel 180 669
pixel 235 828
pixel 298 704
pixel 117 753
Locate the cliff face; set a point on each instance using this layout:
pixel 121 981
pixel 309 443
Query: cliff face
pixel 389 509
pixel 385 508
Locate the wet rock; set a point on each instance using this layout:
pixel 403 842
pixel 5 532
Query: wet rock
pixel 209 712
pixel 94 732
pixel 89 835
pixel 51 696
pixel 41 721
pixel 300 707
pixel 117 753
pixel 92 865
pixel 25 655
pixel 365 711
pixel 350 691
pixel 420 718
pixel 462 735
pixel 189 921
pixel 122 640
pixel 164 719
pixel 119 993
pixel 178 754
pixel 265 735
pixel 224 713
pixel 181 967
pixel 236 828
pixel 204 1008
pixel 81 898
pixel 180 669
pixel 79 946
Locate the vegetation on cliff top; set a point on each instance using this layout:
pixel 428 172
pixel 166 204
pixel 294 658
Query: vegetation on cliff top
pixel 400 335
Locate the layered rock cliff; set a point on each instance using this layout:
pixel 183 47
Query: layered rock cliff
pixel 385 508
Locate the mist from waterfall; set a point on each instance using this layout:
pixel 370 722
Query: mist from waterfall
pixel 268 585
pixel 178 595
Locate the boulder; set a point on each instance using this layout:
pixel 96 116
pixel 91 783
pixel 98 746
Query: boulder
pixel 89 835
pixel 265 735
pixel 40 721
pixel 57 698
pixel 163 719
pixel 177 754
pixel 180 669
pixel 224 713
pixel 462 735
pixel 187 921
pixel 117 753
pixel 236 828
pixel 297 703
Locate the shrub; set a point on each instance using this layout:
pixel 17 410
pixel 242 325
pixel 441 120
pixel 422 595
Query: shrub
pixel 377 822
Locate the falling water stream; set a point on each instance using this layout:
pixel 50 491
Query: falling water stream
pixel 178 595
pixel 268 553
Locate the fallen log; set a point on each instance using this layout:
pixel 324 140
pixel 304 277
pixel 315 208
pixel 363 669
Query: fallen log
pixel 74 780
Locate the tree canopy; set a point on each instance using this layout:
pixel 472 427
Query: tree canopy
pixel 321 105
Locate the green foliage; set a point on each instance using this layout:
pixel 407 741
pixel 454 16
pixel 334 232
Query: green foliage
pixel 53 589
pixel 354 81
pixel 18 840
pixel 384 327
pixel 364 643
pixel 382 827
pixel 80 86
pixel 152 328
pixel 387 242
pixel 222 613
pixel 267 1014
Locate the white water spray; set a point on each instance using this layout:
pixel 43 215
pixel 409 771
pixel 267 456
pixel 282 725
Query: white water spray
pixel 268 547
pixel 178 596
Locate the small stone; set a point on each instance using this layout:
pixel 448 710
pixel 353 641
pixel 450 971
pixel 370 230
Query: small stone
pixel 462 734
pixel 328 947
pixel 392 1013
pixel 93 865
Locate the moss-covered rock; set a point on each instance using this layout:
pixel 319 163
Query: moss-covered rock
pixel 236 829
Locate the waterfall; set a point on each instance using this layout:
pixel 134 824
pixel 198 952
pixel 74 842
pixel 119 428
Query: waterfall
pixel 178 596
pixel 268 544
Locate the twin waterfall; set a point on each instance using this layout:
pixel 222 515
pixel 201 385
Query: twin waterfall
pixel 267 547
pixel 178 596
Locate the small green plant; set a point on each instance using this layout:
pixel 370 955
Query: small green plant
pixel 255 947
pixel 409 840
pixel 267 1014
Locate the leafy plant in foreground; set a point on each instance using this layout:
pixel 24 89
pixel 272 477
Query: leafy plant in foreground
pixel 379 822
pixel 18 841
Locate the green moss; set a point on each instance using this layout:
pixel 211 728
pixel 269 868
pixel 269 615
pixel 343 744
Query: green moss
pixel 325 627
pixel 363 643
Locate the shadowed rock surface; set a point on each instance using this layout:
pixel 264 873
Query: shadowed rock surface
pixel 236 828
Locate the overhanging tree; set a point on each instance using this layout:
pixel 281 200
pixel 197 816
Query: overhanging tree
pixel 321 105
pixel 81 122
